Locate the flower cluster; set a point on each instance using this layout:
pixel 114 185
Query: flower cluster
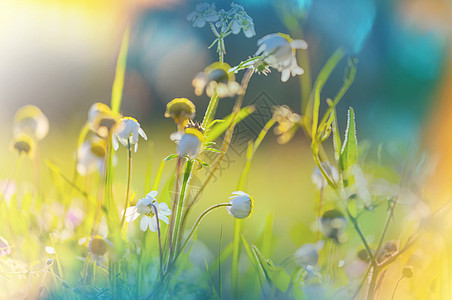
pixel 232 21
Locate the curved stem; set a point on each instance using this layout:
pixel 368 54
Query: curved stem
pixel 198 221
pixel 396 286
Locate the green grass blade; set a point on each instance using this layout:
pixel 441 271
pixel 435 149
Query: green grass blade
pixel 219 128
pixel 320 82
pixel 118 83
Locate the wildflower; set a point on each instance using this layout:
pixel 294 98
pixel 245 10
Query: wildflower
pixel 126 132
pixel 5 248
pixel 91 156
pixel 181 110
pixel 332 224
pixel 145 208
pixel 307 255
pixel 288 123
pixel 216 79
pixel 98 246
pixel 319 180
pixel 278 51
pixel 24 145
pixel 101 119
pixel 204 13
pixel 235 19
pixel 191 141
pixel 241 205
pixel 30 120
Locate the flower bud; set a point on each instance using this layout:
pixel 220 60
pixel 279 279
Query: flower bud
pixel 241 205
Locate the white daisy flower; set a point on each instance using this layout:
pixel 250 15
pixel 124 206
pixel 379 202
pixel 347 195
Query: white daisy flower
pixel 145 209
pixel 30 120
pixel 204 13
pixel 278 51
pixel 91 156
pixel 190 141
pixel 126 132
pixel 101 119
pixel 241 205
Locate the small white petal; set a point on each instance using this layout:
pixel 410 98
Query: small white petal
pixel 164 219
pixel 142 133
pixel 115 142
pixel 152 224
pixel 136 147
pixel 144 223
pixel 299 44
pixel 152 194
pixel 285 74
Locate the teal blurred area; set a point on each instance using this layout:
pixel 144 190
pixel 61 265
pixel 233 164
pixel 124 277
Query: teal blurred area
pixel 402 47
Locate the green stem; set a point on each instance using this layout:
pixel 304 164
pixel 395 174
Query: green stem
pixel 238 229
pixel 210 112
pixel 198 221
pixel 129 174
pixel 180 207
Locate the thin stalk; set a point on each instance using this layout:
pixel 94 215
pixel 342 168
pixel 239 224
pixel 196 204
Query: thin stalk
pixel 396 286
pixel 198 221
pixel 319 212
pixel 129 175
pixel 160 237
pixel 180 207
pixel 210 112
pixel 171 228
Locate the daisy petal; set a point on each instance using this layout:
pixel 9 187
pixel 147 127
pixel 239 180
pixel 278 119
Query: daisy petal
pixel 153 224
pixel 144 223
pixel 299 44
pixel 142 133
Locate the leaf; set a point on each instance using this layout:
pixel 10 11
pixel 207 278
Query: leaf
pixel 172 156
pixel 349 152
pixel 220 128
pixel 275 274
pixel 118 83
pixel 212 150
pixel 337 144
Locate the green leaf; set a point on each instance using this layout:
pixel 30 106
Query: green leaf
pixel 349 152
pixel 118 83
pixel 212 150
pixel 337 143
pixel 220 128
pixel 275 274
pixel 172 156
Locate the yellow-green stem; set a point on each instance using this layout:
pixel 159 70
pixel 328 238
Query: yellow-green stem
pixel 129 175
pixel 180 207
